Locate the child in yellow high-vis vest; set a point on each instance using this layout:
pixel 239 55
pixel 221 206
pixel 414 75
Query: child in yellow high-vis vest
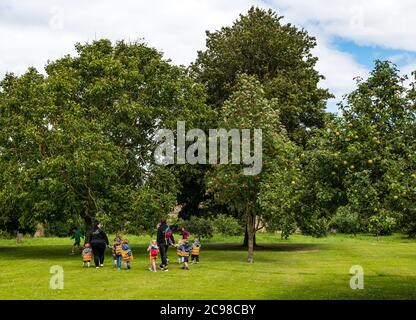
pixel 185 250
pixel 127 254
pixel 86 255
pixel 153 250
pixel 118 252
pixel 196 247
pixel 179 251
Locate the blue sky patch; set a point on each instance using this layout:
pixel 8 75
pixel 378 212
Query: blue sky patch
pixel 366 55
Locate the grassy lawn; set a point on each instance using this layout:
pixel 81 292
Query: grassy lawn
pixel 299 268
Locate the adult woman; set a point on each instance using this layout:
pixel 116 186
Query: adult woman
pixel 163 242
pixel 98 240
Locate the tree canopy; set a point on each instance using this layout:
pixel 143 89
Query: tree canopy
pixel 77 143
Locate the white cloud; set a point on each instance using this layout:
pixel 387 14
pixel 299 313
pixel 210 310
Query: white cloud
pixel 386 23
pixel 340 69
pixel 33 32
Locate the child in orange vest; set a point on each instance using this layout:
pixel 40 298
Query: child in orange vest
pixel 153 250
pixel 86 255
pixel 196 246
pixel 127 254
pixel 185 250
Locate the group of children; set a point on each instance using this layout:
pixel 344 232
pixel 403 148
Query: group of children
pixel 184 250
pixel 122 253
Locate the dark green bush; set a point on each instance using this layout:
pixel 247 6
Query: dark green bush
pixel 382 224
pixel 227 225
pixel 346 221
pixel 199 226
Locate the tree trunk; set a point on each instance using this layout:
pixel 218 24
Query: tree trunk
pixel 251 232
pixel 245 243
pixel 88 228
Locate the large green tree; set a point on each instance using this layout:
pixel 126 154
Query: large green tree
pixel 363 163
pixel 78 142
pixel 279 55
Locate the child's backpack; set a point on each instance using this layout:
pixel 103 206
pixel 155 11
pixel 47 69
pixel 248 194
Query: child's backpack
pixel 168 233
pixel 153 252
pixel 87 254
pixel 126 253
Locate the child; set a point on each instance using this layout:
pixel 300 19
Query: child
pixel 86 255
pixel 184 233
pixel 186 253
pixel 196 246
pixel 117 252
pixel 127 254
pixel 76 235
pixel 113 251
pixel 179 251
pixel 153 253
pixel 185 250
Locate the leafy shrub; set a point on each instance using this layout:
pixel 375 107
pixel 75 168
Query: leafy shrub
pixel 58 229
pixel 346 221
pixel 317 227
pixel 199 226
pixel 5 235
pixel 227 225
pixel 382 224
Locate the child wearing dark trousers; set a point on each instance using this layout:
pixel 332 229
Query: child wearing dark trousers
pixel 196 247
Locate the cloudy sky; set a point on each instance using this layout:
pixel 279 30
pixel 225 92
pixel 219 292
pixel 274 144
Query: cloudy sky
pixel 351 34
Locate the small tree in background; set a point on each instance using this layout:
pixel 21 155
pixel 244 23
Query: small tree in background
pixel 248 108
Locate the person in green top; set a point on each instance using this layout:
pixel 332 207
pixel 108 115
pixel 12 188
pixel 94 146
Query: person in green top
pixel 77 234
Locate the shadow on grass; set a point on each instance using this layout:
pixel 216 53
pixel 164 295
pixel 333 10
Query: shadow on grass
pixel 38 252
pixel 60 251
pixel 265 247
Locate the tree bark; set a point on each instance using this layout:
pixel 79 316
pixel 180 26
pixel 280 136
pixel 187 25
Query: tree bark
pixel 251 232
pixel 245 243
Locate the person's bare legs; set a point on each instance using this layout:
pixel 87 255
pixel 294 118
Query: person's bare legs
pixel 154 265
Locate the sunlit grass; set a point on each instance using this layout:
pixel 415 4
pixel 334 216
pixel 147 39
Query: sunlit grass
pixel 299 268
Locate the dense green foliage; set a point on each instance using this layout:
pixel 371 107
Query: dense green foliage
pixel 77 143
pixel 278 55
pixel 364 161
pixel 199 226
pixel 247 107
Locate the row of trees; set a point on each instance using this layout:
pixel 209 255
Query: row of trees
pixel 77 143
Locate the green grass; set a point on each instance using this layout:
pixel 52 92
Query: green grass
pixel 299 268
